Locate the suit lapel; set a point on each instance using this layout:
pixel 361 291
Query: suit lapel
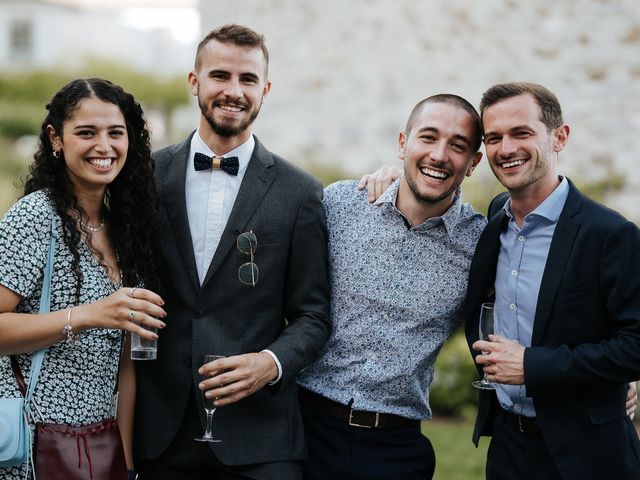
pixel 257 180
pixel 559 252
pixel 172 175
pixel 482 274
pixel 487 255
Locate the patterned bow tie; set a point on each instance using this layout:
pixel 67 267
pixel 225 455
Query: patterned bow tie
pixel 228 164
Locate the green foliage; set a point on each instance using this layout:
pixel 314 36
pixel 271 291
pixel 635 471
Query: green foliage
pixel 163 93
pixel 34 87
pixel 479 191
pixel 19 118
pixel 12 169
pixel 451 392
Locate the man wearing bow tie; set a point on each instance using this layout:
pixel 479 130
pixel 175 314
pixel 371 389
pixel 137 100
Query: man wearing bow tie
pixel 244 250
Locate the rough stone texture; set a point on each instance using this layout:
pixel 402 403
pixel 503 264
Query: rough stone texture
pixel 346 73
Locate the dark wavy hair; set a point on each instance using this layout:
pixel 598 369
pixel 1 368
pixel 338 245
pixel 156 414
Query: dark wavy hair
pixel 131 199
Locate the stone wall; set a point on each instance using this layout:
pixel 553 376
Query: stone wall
pixel 346 73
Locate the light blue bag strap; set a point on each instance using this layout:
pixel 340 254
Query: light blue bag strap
pixel 45 297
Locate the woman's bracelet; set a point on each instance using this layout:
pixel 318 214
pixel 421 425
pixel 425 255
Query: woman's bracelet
pixel 67 331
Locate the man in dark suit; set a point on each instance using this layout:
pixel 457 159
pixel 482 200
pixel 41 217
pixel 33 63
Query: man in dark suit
pixel 244 248
pixel 563 272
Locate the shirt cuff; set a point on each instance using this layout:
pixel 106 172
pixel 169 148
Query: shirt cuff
pixel 275 359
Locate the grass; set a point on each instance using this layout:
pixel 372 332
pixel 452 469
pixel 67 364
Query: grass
pixel 456 456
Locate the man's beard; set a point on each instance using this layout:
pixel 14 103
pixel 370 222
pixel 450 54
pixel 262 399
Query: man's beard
pixel 227 130
pixel 413 187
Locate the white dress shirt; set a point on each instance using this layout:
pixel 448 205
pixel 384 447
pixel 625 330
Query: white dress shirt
pixel 210 195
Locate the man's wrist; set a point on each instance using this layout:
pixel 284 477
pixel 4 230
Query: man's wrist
pixel 278 366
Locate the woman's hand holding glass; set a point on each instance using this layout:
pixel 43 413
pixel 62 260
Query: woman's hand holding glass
pixel 130 309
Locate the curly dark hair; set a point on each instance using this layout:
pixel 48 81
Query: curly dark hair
pixel 131 199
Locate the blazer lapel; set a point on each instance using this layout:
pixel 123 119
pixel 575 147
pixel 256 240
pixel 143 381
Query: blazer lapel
pixel 559 252
pixel 487 252
pixel 257 180
pixel 172 175
pixel 482 275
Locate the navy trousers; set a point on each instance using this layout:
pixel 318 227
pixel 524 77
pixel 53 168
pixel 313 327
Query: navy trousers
pixel 338 451
pixel 513 454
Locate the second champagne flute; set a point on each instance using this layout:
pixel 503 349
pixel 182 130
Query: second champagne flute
pixel 486 327
pixel 209 407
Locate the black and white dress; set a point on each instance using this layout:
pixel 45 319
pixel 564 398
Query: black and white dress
pixel 76 381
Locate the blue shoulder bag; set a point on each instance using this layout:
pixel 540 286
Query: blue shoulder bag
pixel 15 434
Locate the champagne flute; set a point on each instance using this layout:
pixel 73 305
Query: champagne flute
pixel 209 407
pixel 486 327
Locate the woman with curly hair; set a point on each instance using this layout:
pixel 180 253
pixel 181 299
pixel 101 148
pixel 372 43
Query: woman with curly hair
pixel 91 187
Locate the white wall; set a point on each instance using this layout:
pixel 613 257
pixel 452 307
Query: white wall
pixel 64 37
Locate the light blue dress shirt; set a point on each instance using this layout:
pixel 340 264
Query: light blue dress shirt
pixel 521 262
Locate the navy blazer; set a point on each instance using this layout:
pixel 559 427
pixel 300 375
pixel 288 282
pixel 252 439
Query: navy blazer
pixel 585 342
pixel 286 312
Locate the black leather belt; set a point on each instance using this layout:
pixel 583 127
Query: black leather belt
pixel 355 418
pixel 525 425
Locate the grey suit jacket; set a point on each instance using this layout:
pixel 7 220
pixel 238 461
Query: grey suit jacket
pixel 287 311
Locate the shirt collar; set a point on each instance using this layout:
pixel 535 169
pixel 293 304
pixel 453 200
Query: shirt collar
pixel 243 151
pixel 551 207
pixel 450 218
pixel 390 194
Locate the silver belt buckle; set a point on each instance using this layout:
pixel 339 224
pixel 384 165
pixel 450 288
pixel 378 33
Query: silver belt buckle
pixel 353 424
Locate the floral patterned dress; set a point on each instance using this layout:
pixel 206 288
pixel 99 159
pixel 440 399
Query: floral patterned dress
pixel 76 381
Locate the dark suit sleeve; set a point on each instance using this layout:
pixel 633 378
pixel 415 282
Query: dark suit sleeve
pixel 306 302
pixel 617 357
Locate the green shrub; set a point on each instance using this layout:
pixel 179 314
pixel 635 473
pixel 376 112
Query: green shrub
pixel 13 168
pixel 17 127
pixel 20 118
pixel 451 392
